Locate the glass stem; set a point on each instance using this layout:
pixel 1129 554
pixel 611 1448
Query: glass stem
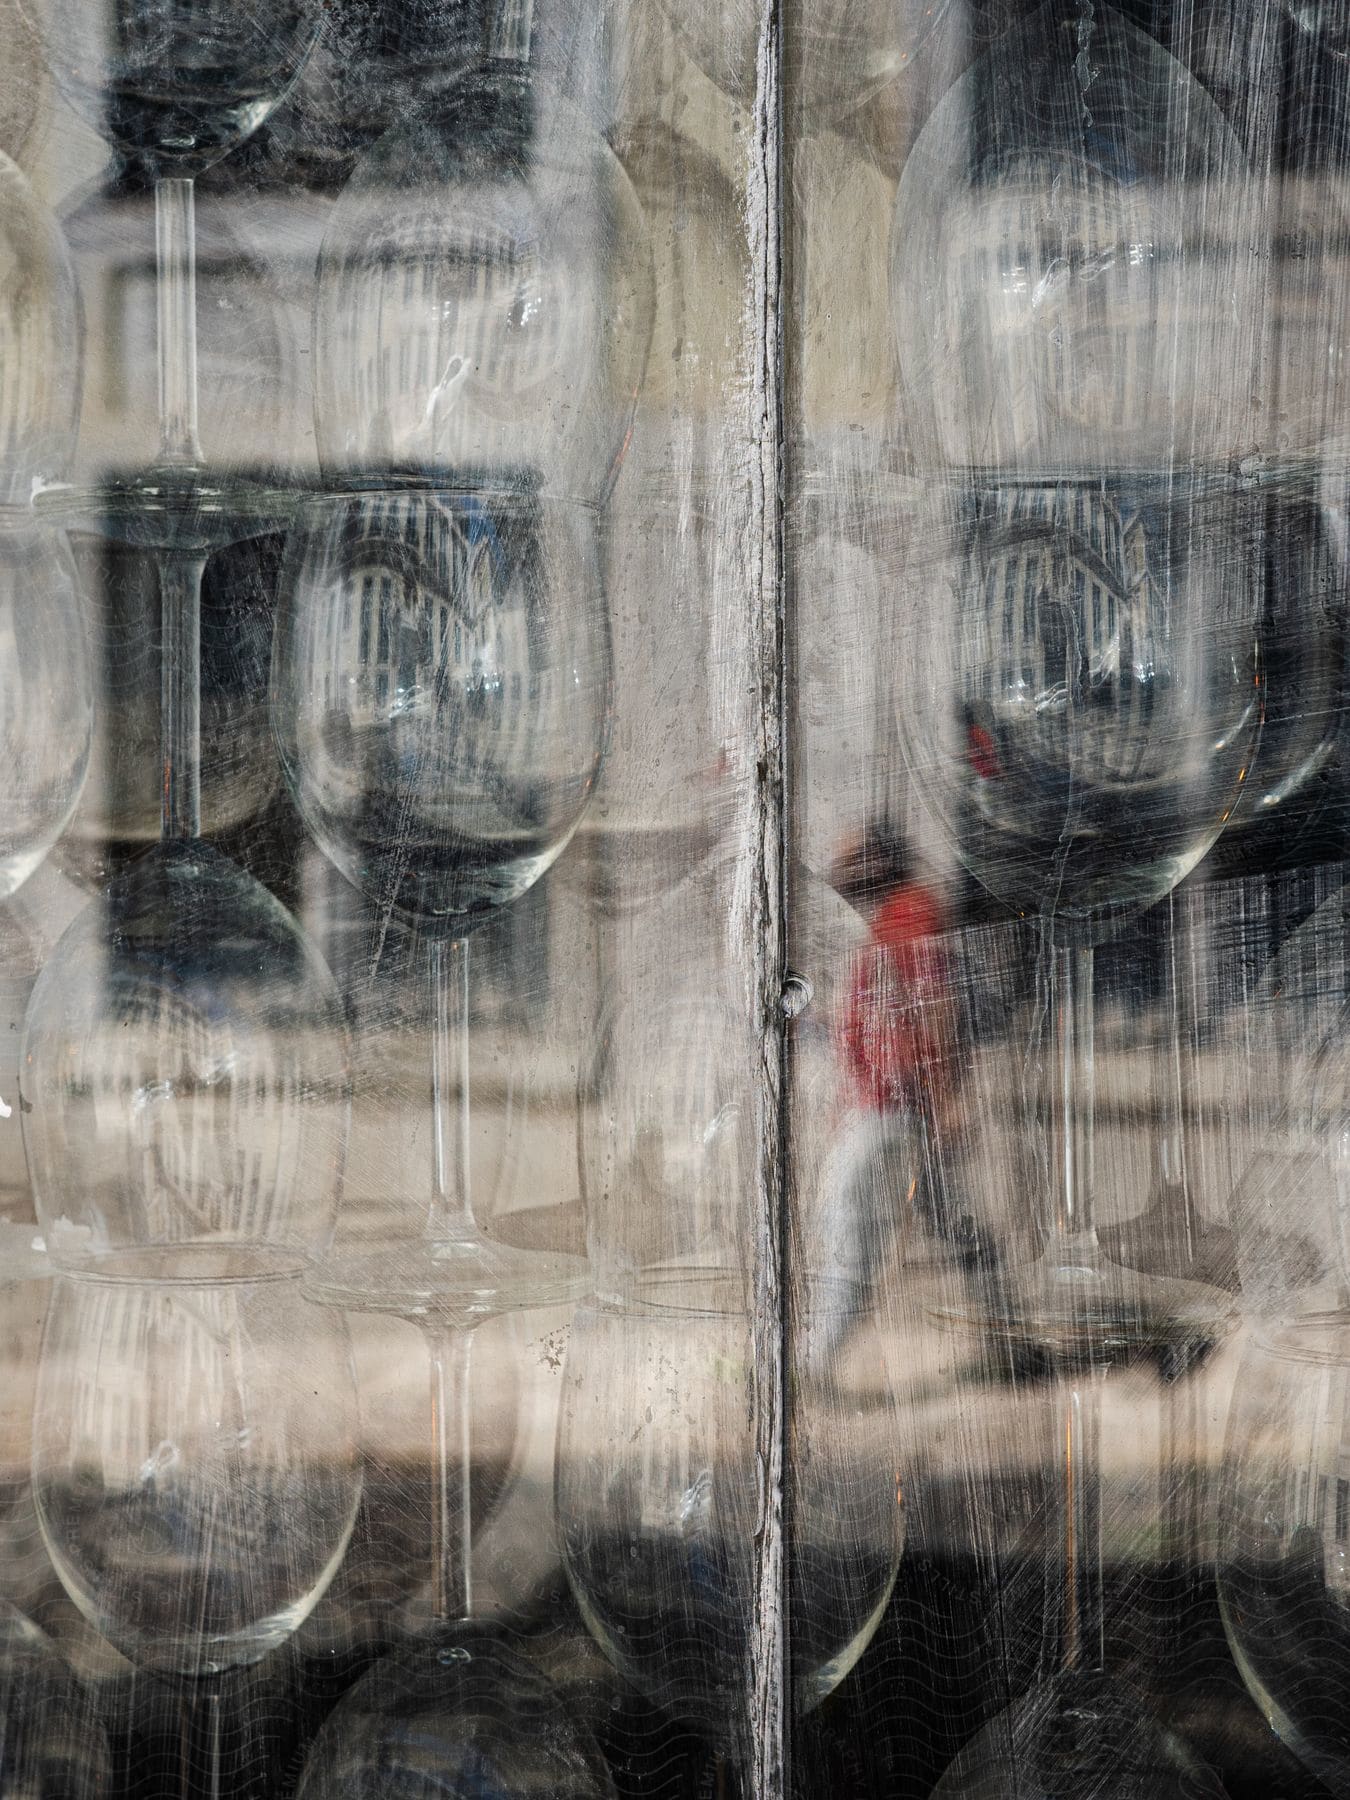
pixel 451 1211
pixel 180 725
pixel 1074 1223
pixel 451 1351
pixel 176 268
pixel 201 1775
pixel 512 30
pixel 1180 1090
pixel 1079 1572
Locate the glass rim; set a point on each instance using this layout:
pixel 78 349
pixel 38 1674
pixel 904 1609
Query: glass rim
pixel 727 1292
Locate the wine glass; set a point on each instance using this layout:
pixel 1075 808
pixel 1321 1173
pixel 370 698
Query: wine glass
pixel 1055 313
pixel 39 345
pixel 659 1502
pixel 174 86
pixel 472 1718
pixel 46 693
pixel 1284 1526
pixel 1091 708
pixel 440 694
pixel 440 691
pixel 484 298
pixel 184 1068
pixel 1288 796
pixel 52 1745
pixel 195 1469
pixel 839 54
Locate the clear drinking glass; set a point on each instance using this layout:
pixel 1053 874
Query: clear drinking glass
pixel 1284 1535
pixel 1080 711
pixel 658 1501
pixel 195 1463
pixel 54 1747
pixel 39 344
pixel 175 84
pixel 440 691
pixel 185 1079
pixel 484 298
pixel 46 693
pixel 1047 249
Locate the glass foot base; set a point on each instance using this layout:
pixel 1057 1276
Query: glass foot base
pixel 185 509
pixel 456 1281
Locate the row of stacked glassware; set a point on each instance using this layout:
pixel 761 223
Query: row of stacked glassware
pixel 441 686
pixel 1102 601
pixel 1084 620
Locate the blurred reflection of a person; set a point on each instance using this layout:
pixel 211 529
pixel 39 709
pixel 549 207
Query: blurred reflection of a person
pixel 898 1044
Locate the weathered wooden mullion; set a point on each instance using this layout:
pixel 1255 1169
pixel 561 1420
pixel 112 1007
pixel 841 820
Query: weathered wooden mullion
pixel 766 1765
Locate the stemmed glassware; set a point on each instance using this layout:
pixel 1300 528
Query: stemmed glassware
pixel 440 690
pixel 1092 706
pixel 442 660
pixel 196 1472
pixel 184 1037
pixel 657 1501
pixel 440 693
pixel 1284 1528
pixel 1304 669
pixel 655 1482
pixel 52 1745
pixel 174 87
pixel 1284 1512
pixel 1083 695
pixel 46 694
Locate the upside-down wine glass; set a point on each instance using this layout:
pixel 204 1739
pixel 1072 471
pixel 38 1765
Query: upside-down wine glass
pixel 657 1501
pixel 184 1062
pixel 184 1038
pixel 1284 1517
pixel 1303 660
pixel 46 690
pixel 196 1473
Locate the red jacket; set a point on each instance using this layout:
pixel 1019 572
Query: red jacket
pixel 899 1034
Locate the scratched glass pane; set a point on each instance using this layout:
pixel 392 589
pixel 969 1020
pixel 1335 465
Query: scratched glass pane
pixel 674 999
